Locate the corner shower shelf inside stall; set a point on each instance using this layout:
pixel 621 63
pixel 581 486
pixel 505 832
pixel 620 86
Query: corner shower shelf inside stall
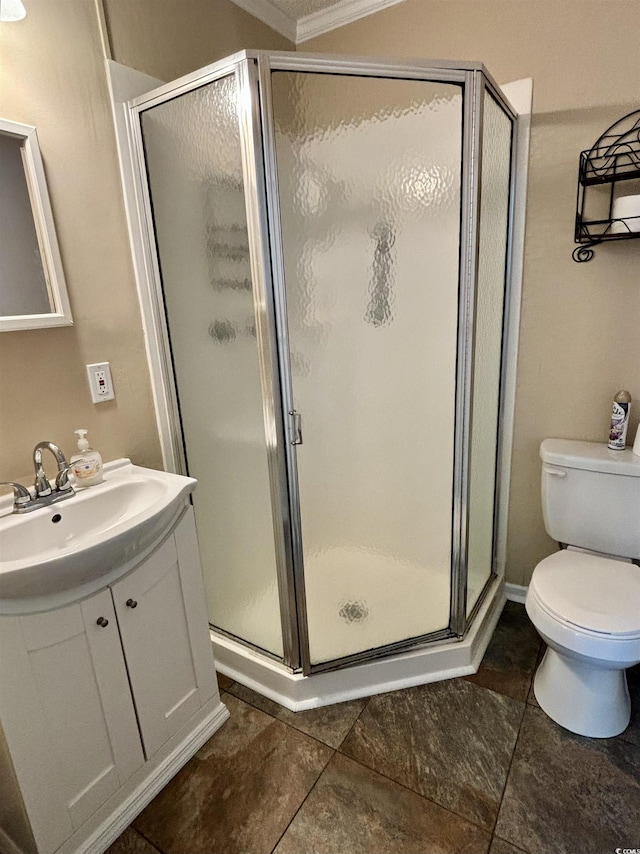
pixel 230 251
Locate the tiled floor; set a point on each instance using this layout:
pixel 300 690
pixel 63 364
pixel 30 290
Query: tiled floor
pixel 468 766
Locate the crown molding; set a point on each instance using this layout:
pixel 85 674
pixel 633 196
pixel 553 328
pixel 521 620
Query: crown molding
pixel 344 12
pixel 270 15
pixel 341 13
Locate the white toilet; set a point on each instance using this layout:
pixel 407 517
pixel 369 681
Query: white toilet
pixel 585 600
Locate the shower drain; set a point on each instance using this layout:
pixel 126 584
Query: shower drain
pixel 354 612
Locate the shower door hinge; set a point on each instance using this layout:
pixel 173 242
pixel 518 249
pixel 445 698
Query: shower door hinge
pixel 297 427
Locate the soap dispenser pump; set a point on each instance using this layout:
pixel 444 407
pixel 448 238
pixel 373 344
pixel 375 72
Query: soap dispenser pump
pixel 86 465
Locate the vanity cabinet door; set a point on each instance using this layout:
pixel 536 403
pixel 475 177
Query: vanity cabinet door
pixel 165 636
pixel 67 713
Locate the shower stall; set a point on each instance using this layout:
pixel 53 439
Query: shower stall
pixel 328 240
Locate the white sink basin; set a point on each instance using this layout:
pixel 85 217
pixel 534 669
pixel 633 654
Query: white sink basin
pixel 84 541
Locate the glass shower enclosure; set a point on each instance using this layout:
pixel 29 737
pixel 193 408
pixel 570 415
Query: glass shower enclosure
pixel 329 240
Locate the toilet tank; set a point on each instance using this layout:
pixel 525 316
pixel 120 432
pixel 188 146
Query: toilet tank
pixel 591 496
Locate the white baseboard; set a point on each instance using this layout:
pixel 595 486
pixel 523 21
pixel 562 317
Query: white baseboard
pixel 515 592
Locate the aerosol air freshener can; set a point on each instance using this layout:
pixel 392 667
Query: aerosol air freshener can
pixel 619 420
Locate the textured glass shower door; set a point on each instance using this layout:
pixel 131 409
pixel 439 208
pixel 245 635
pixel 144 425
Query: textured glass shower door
pixel 493 247
pixel 328 242
pixel 369 184
pixel 196 165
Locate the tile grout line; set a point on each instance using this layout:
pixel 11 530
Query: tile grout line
pixel 351 728
pixel 376 770
pixel 304 732
pixel 304 800
pixel 336 750
pixel 152 844
pixel 419 794
pixel 414 792
pixel 510 844
pixel 490 833
pixel 315 782
pixel 426 798
pixel 506 779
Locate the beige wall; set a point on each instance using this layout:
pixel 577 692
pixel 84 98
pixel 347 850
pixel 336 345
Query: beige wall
pixel 52 75
pixel 579 337
pixel 169 38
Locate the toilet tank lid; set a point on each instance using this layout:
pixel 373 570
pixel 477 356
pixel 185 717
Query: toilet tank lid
pixel 589 456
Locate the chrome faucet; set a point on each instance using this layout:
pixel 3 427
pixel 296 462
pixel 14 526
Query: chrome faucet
pixel 42 486
pixel 44 492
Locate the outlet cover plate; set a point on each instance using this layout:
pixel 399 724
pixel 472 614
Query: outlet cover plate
pixel 100 382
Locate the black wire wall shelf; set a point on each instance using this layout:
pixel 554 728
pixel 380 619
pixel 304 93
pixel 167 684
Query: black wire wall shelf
pixel 614 159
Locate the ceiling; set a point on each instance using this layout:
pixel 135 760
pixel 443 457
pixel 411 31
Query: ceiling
pixel 300 20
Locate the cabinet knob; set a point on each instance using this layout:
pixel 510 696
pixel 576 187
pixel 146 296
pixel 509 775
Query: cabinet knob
pixel 102 622
pixel 131 603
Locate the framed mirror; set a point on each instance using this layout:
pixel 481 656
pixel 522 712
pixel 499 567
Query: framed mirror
pixel 33 291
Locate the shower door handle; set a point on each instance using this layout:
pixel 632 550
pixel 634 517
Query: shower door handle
pixel 297 427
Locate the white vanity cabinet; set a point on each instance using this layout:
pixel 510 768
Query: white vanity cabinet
pixel 67 713
pixel 162 619
pixel 102 700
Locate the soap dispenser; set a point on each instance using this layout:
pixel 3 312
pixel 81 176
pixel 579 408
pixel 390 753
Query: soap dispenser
pixel 86 465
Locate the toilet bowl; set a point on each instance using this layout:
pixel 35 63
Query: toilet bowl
pixel 585 599
pixel 587 610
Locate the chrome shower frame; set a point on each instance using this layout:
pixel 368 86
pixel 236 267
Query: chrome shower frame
pixel 252 70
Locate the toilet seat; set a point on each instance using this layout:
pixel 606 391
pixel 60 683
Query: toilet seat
pixel 590 594
pixel 576 641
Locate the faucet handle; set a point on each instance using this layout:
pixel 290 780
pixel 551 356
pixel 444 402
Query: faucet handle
pixel 21 495
pixel 62 478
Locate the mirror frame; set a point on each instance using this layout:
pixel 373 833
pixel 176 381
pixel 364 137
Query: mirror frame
pixel 60 314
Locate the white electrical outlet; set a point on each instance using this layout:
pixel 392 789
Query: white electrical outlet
pixel 100 382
